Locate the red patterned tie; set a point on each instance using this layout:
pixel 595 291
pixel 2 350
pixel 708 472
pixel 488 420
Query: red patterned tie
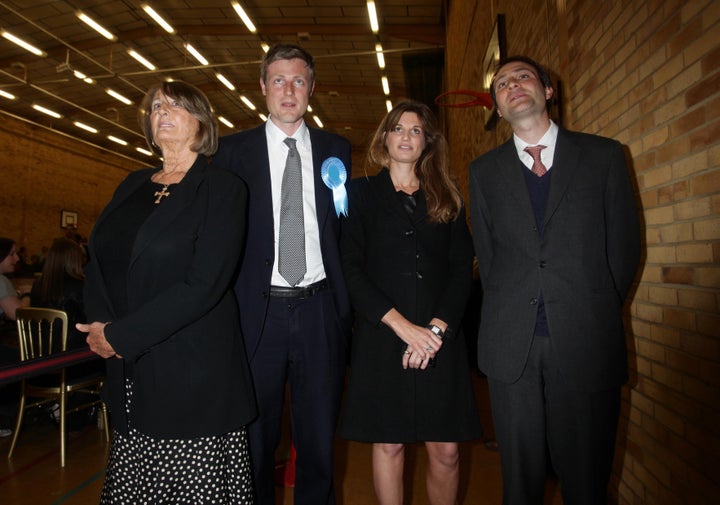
pixel 537 168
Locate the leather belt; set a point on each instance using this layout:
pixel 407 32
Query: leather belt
pixel 300 291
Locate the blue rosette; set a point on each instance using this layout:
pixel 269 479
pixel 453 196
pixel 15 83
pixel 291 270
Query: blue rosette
pixel 334 175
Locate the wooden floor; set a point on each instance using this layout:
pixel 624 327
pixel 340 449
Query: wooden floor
pixel 34 475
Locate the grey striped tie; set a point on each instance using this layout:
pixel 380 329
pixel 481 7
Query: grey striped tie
pixel 291 254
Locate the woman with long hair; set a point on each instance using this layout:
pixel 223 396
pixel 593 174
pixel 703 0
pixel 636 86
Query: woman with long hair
pixel 10 300
pixel 407 257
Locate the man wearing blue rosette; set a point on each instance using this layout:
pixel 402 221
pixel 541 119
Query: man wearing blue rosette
pixel 293 301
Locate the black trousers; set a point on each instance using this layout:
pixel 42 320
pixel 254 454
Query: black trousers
pixel 541 415
pixel 302 346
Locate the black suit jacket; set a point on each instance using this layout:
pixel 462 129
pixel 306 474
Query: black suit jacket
pixel 583 264
pixel 181 339
pixel 246 154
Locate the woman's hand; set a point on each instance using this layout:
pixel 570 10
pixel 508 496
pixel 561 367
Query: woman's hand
pixel 96 339
pixel 422 344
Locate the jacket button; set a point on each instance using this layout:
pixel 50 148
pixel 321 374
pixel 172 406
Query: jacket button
pixel 409 232
pixel 419 275
pixel 533 301
pixel 542 263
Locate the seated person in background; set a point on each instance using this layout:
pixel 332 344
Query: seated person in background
pixel 10 300
pixel 61 286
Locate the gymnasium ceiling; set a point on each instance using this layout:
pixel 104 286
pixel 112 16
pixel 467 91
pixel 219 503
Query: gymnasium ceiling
pixel 348 99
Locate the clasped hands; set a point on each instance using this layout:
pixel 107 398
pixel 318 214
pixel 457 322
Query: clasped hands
pixel 96 339
pixel 422 345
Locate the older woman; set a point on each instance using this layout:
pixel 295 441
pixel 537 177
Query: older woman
pixel 158 287
pixel 9 299
pixel 407 257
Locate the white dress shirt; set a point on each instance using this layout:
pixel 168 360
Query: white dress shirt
pixel 547 155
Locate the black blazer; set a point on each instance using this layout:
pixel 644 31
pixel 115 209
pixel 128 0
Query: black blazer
pixel 181 338
pixel 246 154
pixel 583 264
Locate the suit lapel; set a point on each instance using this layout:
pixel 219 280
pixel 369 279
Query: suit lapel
pixel 323 194
pixel 567 156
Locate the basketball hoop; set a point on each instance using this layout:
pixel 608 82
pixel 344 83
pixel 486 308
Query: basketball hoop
pixel 476 98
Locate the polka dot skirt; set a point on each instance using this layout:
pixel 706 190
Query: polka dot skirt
pixel 199 471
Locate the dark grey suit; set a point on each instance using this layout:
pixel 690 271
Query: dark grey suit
pixel 582 265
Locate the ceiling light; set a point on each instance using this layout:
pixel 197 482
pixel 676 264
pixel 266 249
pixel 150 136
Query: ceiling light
pixel 263 117
pixel 20 42
pixel 388 105
pixel 309 108
pixel 380 55
pixel 95 26
pixel 85 127
pixel 224 80
pixel 143 151
pixel 385 85
pixel 117 140
pixel 372 14
pixel 196 54
pixel 7 95
pixel 247 102
pixel 318 122
pixel 158 18
pixel 145 63
pixel 83 77
pixel 226 122
pixel 245 18
pixel 44 110
pixel 118 96
pixel 265 47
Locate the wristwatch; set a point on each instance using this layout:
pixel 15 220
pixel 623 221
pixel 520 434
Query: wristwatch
pixel 436 330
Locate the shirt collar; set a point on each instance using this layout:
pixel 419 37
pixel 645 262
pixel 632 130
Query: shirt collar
pixel 548 139
pixel 276 136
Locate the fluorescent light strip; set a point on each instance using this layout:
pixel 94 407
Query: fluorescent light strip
pixel 144 151
pixel 380 56
pixel 318 122
pixel 158 18
pixel 224 80
pixel 245 18
pixel 7 95
pixel 388 105
pixel 83 77
pixel 265 47
pixel 385 85
pixel 263 117
pixel 20 42
pixel 197 55
pixel 47 111
pixel 118 96
pixel 94 25
pixel 247 102
pixel 145 63
pixel 85 127
pixel 117 140
pixel 372 14
pixel 226 122
pixel 309 108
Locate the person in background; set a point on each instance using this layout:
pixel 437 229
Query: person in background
pixel 407 257
pixel 295 311
pixel 556 233
pixel 158 288
pixel 10 299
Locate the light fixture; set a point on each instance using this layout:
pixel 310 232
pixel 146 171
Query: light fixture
pixel 20 42
pixel 385 85
pixel 263 117
pixel 224 80
pixel 85 127
pixel 309 108
pixel 247 102
pixel 94 25
pixel 226 122
pixel 143 151
pixel 47 111
pixel 318 122
pixel 118 96
pixel 388 105
pixel 245 18
pixel 196 54
pixel 145 63
pixel 265 47
pixel 380 55
pixel 372 14
pixel 7 95
pixel 117 140
pixel 83 77
pixel 158 18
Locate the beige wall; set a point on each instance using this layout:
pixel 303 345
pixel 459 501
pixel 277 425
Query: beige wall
pixel 646 73
pixel 44 173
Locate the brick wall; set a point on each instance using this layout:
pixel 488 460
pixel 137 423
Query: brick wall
pixel 646 73
pixel 44 173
